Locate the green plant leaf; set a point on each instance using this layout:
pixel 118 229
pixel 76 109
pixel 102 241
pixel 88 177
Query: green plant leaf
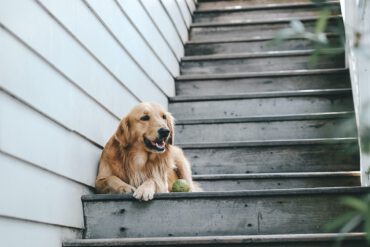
pixel 322 22
pixel 339 222
pixel 356 204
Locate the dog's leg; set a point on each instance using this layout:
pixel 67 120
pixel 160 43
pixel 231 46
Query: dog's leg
pixel 113 184
pixel 146 190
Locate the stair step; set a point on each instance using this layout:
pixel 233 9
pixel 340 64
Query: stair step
pixel 263 181
pixel 251 28
pixel 235 46
pixel 276 240
pixel 231 4
pixel 320 155
pixel 226 86
pixel 261 12
pixel 258 62
pixel 257 104
pixel 215 213
pixel 275 128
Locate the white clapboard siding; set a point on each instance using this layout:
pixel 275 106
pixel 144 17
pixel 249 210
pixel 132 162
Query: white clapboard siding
pixel 20 233
pixel 186 15
pixel 191 5
pixel 49 39
pixel 44 89
pixel 157 12
pixel 105 48
pixel 38 195
pixel 172 9
pixel 30 136
pixel 129 38
pixel 137 14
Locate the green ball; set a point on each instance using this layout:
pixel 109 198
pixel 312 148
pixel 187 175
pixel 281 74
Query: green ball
pixel 181 185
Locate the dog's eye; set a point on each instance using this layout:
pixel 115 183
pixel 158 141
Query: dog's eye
pixel 164 117
pixel 145 118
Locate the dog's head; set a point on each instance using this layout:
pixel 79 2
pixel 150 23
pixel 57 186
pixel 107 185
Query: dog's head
pixel 148 124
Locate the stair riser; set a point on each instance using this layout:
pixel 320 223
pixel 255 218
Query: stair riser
pixel 204 5
pixel 259 64
pixel 299 158
pixel 251 46
pixel 277 183
pixel 274 130
pixel 264 84
pixel 261 106
pixel 262 14
pixel 246 31
pixel 212 216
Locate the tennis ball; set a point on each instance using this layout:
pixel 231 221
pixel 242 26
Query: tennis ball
pixel 181 185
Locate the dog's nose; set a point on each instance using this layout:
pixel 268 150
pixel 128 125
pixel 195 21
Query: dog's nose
pixel 163 132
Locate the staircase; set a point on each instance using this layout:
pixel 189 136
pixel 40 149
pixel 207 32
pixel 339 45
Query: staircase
pixel 272 141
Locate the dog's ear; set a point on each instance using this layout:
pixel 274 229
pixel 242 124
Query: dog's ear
pixel 171 126
pixel 123 134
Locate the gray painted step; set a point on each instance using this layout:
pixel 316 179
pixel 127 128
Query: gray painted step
pixel 263 181
pixel 262 13
pixel 263 84
pixel 266 130
pixel 286 240
pixel 257 62
pixel 341 155
pixel 250 45
pixel 248 29
pixel 260 104
pixel 215 213
pixel 215 5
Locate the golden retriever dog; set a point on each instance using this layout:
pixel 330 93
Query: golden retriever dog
pixel 141 158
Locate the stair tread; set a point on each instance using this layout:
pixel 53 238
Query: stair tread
pixel 272 94
pixel 313 237
pixel 261 7
pixel 257 22
pixel 239 193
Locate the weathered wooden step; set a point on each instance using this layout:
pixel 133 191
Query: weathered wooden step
pixel 257 62
pixel 263 12
pixel 250 28
pixel 257 104
pixel 276 240
pixel 232 4
pixel 290 211
pixel 303 126
pixel 229 46
pixel 323 155
pixel 263 181
pixel 335 79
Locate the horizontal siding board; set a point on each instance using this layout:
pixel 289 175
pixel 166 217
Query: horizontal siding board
pixel 73 61
pixel 77 18
pixel 32 137
pixel 121 28
pixel 134 11
pixel 162 20
pixel 39 195
pixel 175 14
pixel 191 5
pixel 185 12
pixel 20 233
pixel 44 89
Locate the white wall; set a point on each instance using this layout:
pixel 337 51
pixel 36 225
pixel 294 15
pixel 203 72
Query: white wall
pixel 69 70
pixel 357 20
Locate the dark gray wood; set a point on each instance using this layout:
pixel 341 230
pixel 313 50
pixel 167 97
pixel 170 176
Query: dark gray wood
pixel 257 64
pixel 273 159
pixel 262 181
pixel 267 130
pixel 262 84
pixel 250 45
pixel 215 213
pixel 286 240
pixel 261 106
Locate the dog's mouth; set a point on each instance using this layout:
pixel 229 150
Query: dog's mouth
pixel 158 145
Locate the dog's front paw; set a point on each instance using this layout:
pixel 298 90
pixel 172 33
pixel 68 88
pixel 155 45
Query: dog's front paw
pixel 126 189
pixel 144 192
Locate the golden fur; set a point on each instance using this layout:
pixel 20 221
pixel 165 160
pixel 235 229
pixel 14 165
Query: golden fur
pixel 128 164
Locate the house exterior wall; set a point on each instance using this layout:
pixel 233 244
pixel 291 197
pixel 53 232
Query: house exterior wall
pixel 69 70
